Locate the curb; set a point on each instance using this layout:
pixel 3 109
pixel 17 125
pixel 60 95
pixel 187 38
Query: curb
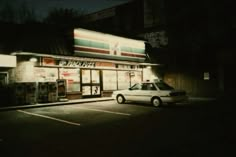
pixel 192 99
pixel 54 104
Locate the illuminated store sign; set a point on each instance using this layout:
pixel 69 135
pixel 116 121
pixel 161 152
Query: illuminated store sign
pixel 72 63
pixel 48 61
pixel 75 63
pixel 67 63
pixel 101 45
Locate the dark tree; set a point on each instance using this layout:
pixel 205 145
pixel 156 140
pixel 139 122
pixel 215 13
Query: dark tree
pixel 10 13
pixel 26 14
pixel 64 17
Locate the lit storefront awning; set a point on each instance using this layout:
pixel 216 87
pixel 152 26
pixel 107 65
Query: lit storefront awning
pixel 81 58
pixel 7 61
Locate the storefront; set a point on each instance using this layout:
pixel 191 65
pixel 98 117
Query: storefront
pixel 101 63
pixel 84 77
pixel 6 63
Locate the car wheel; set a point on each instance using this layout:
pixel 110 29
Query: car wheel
pixel 120 99
pixel 156 102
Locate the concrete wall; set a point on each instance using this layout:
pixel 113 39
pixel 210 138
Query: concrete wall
pixel 194 83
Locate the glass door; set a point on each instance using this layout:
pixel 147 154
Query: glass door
pixel 90 82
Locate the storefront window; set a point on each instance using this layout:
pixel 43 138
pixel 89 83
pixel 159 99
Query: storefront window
pixel 90 82
pixel 96 90
pixel 45 74
pixel 72 77
pixel 136 77
pixel 123 79
pixel 86 90
pixel 109 80
pixel 3 79
pixel 95 76
pixel 86 76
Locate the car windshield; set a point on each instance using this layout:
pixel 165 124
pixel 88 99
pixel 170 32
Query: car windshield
pixel 163 86
pixel 136 87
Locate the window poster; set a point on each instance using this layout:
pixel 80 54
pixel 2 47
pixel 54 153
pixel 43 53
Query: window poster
pixel 72 77
pixel 123 79
pixel 86 90
pixel 95 76
pixel 95 90
pixel 86 76
pixel 45 74
pixel 109 80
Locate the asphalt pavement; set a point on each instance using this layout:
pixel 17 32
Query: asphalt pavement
pixel 85 100
pixel 201 127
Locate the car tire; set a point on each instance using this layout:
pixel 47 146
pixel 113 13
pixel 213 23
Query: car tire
pixel 156 102
pixel 120 99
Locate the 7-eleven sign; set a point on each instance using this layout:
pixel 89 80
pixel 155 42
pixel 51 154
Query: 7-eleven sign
pixel 115 48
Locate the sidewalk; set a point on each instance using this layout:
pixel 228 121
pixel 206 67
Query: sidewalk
pixel 77 101
pixel 85 100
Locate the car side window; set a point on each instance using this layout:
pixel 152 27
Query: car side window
pixel 148 86
pixel 151 86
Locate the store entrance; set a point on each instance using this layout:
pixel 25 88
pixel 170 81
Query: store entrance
pixel 91 83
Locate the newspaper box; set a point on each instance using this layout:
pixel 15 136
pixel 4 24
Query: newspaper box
pixel 52 91
pixel 30 93
pixel 19 93
pixel 43 92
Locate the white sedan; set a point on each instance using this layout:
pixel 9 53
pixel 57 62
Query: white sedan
pixel 157 93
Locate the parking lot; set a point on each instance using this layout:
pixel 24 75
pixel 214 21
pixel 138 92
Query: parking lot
pixel 88 113
pixel 110 129
pixel 53 129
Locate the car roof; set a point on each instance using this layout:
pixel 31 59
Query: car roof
pixel 151 81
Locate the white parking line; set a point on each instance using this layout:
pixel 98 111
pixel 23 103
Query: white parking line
pixel 105 111
pixel 48 117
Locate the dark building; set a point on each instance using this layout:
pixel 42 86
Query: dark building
pixel 123 19
pixel 193 40
pixel 200 41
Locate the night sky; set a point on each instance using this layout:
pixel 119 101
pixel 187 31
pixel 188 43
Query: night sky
pixel 42 7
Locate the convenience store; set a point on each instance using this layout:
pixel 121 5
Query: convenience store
pixel 101 64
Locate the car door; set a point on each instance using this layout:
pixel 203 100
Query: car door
pixel 146 92
pixel 133 93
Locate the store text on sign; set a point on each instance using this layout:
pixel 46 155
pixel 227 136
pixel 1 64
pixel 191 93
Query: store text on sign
pixel 70 63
